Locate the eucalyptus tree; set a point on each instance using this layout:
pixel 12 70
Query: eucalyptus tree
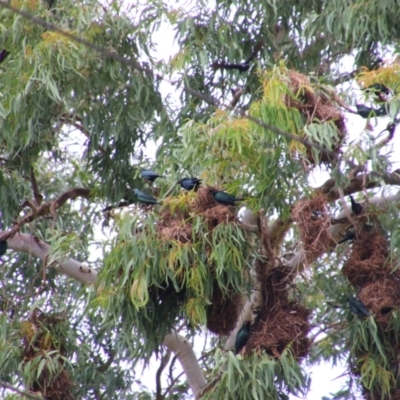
pixel 95 285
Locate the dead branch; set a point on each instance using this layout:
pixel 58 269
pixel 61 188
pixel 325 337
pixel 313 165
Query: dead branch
pixel 46 208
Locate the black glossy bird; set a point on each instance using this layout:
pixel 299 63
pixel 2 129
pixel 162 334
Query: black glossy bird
pixel 357 307
pixel 377 89
pixel 244 66
pixel 3 247
pixel 150 175
pixel 365 111
pixel 350 235
pixel 242 336
pixel 3 54
pixel 224 198
pixel 189 183
pixel 357 208
pixel 144 198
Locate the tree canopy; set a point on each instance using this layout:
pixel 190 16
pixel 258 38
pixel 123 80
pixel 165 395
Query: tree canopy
pixel 96 285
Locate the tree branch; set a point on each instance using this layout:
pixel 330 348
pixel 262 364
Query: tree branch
pixel 186 356
pixel 45 209
pixel 32 245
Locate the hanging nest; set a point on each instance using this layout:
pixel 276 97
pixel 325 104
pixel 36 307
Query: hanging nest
pixel 381 298
pixel 276 329
pixel 39 340
pixel 280 323
pixel 315 107
pixel 176 226
pixel 314 221
pixel 367 261
pixel 223 312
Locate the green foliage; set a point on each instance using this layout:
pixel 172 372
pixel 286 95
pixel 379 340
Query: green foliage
pixel 257 377
pixel 74 117
pixel 155 280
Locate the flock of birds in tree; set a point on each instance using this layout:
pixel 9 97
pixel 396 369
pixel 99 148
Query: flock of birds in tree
pixel 188 184
pixel 221 197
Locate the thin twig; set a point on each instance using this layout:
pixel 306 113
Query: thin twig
pixel 47 208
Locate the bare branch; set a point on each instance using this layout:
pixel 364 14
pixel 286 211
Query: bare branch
pixel 46 208
pixel 32 245
pixel 82 129
pixel 35 188
pixel 163 364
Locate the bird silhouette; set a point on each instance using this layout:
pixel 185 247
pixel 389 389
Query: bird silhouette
pixel 357 307
pixel 3 54
pixel 242 336
pixel 245 65
pixel 189 183
pixel 150 175
pixel 224 198
pixel 377 89
pixel 144 198
pixel 357 208
pixel 3 247
pixel 365 111
pixel 350 235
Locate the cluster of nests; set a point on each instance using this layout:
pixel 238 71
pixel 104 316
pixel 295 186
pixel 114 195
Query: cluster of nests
pixel 315 107
pixel 369 270
pixel 54 385
pixel 176 225
pixel 368 267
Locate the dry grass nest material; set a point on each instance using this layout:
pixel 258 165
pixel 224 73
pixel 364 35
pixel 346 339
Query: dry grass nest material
pixel 314 220
pixel 315 107
pixel 53 387
pixel 381 298
pixel 223 312
pixel 176 225
pixel 275 330
pixel 367 261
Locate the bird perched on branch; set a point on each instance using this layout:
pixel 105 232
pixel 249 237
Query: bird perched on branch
pixel 189 183
pixel 242 336
pixel 144 198
pixel 365 111
pixel 149 175
pixel 3 247
pixel 357 208
pixel 224 198
pixel 244 66
pixel 357 307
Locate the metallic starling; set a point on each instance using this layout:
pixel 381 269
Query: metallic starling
pixel 190 183
pixel 357 307
pixel 150 175
pixel 144 198
pixel 357 208
pixel 224 198
pixel 244 66
pixel 242 336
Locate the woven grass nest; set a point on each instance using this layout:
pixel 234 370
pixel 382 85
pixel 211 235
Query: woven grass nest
pixel 313 220
pixel 37 343
pixel 315 107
